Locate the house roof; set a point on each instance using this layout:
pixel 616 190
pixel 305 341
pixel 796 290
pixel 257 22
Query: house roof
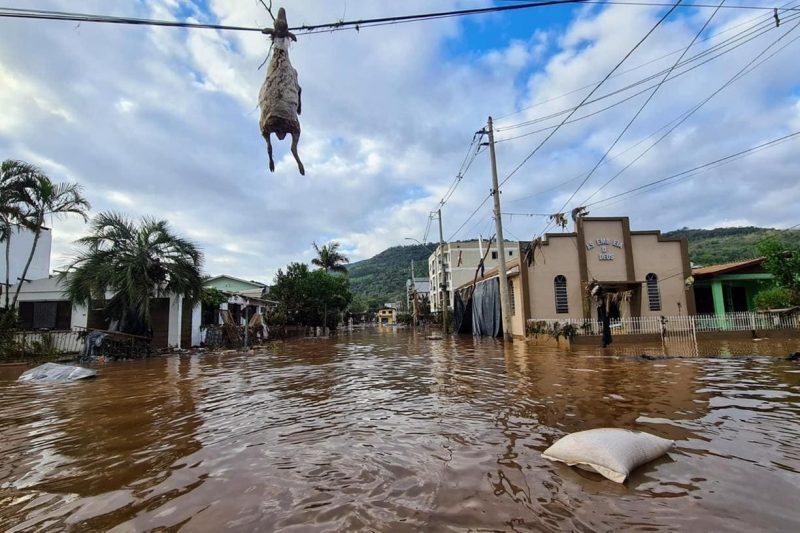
pixel 225 276
pixel 726 268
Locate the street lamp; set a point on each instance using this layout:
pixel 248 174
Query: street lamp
pixel 420 243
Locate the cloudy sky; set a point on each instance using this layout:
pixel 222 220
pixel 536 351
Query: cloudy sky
pixel 164 122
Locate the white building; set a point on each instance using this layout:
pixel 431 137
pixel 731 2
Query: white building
pixel 20 248
pixel 454 264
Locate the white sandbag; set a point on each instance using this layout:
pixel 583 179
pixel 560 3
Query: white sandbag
pixel 614 453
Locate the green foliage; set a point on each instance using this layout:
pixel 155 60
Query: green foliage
pixel 783 262
pixel 329 258
pixel 135 262
pixel 773 298
pixel 305 296
pixel 383 278
pixel 724 245
pixel 555 331
pixel 213 297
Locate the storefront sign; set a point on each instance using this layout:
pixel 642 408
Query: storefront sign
pixel 604 244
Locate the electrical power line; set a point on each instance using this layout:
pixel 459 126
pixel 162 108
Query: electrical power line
pixel 690 172
pixel 550 135
pixel 749 67
pixel 768 19
pixel 641 108
pixel 753 35
pixel 40 14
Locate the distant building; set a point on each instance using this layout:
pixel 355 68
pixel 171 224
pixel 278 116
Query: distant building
pixel 387 316
pixel 730 287
pixel 454 264
pixel 21 241
pixel 245 299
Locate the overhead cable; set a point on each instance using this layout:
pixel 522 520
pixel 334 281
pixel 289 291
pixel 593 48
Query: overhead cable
pixel 611 72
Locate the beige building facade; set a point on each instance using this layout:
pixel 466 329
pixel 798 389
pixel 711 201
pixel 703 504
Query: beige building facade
pixel 454 264
pixel 605 252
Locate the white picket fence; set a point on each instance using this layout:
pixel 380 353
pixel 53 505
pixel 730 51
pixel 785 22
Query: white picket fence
pixel 678 334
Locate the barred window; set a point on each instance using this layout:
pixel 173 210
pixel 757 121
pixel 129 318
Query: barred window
pixel 560 285
pixel 653 294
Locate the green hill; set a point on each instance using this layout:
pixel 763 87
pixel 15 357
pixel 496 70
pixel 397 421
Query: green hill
pixel 382 278
pixel 723 245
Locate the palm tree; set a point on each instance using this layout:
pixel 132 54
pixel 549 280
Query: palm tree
pixel 329 258
pixel 15 177
pixel 134 262
pixel 42 198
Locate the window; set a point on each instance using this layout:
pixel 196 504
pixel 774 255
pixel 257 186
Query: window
pixel 511 298
pixel 511 253
pixel 560 286
pixel 494 255
pixel 653 293
pixel 45 315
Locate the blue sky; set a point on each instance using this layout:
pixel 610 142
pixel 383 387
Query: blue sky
pixel 164 122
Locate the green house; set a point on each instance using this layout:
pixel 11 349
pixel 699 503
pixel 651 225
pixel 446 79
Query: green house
pixel 729 287
pixel 231 284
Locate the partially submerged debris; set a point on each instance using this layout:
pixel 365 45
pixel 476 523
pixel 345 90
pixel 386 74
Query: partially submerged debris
pixel 53 372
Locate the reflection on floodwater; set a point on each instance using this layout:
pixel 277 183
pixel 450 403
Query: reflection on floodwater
pixel 390 431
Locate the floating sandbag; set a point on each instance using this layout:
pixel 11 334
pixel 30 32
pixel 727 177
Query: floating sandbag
pixel 53 372
pixel 613 453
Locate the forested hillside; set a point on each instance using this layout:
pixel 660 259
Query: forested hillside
pixel 722 245
pixel 383 278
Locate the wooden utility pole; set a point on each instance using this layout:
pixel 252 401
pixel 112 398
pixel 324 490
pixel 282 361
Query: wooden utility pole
pixel 505 301
pixel 413 295
pixel 443 286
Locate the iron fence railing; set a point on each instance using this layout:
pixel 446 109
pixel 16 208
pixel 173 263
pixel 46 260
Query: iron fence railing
pixel 78 341
pixel 741 321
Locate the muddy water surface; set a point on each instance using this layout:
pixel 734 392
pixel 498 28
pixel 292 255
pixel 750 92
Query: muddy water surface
pixel 392 432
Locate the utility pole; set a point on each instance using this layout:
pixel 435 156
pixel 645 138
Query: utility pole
pixel 443 287
pixel 413 295
pixel 505 303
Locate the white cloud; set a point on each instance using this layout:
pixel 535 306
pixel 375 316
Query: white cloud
pixel 163 122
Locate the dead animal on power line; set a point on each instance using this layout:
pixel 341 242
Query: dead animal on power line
pixel 280 95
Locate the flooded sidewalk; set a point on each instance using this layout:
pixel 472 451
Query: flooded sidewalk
pixel 390 431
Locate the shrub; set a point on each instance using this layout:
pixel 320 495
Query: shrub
pixel 773 298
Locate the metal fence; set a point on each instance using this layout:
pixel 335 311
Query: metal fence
pixel 27 344
pixel 743 321
pixel 677 335
pixel 41 344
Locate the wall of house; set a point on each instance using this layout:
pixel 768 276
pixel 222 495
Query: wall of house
pixel 608 248
pixel 665 259
pixel 605 250
pixel 21 242
pixel 559 256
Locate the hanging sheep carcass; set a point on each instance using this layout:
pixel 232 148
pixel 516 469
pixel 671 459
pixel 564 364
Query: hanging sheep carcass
pixel 279 98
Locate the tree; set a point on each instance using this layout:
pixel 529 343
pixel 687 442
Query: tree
pixel 15 177
pixel 310 298
pixel 783 262
pixel 134 262
pixel 43 198
pixel 329 258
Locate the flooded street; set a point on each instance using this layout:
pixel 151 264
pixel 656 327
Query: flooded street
pixel 389 431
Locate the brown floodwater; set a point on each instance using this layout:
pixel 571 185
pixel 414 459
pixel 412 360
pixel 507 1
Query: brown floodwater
pixel 389 431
